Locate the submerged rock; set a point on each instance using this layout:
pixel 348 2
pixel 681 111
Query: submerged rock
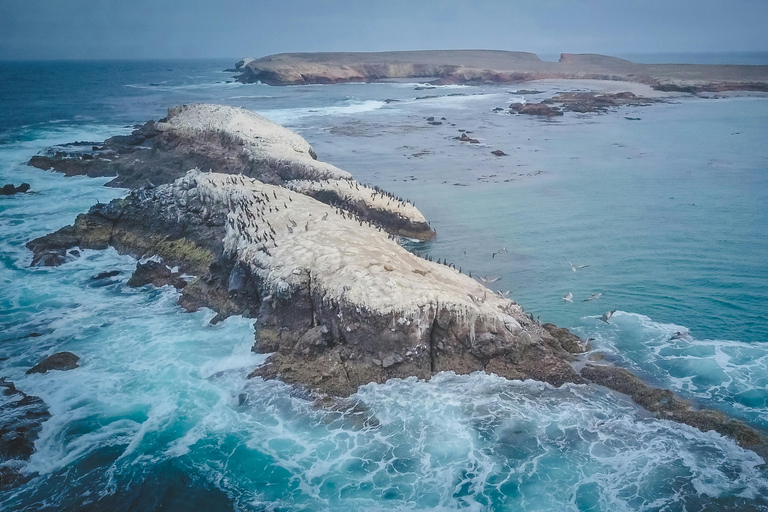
pixel 21 419
pixel 60 361
pixel 105 275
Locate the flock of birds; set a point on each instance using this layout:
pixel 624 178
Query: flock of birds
pixel 568 297
pixel 254 210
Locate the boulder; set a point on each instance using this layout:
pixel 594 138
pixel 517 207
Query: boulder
pixel 60 361
pixel 155 273
pixel 10 189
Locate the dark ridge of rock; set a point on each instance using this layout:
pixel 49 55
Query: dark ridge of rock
pixel 498 152
pixel 480 66
pixel 584 102
pixel 10 189
pixel 466 138
pixel 62 361
pixel 665 405
pixel 157 274
pixel 535 109
pixel 105 275
pixel 229 140
pixel 21 419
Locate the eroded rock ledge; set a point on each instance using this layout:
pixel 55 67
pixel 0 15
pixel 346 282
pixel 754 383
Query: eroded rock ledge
pixel 477 66
pixel 338 302
pixel 234 141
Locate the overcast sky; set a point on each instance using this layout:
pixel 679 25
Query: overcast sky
pixel 119 29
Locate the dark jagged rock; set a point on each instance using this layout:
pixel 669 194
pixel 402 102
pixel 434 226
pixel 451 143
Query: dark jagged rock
pixel 105 275
pixel 21 419
pixel 466 138
pixel 584 102
pixel 10 189
pixel 62 361
pixel 155 273
pixel 535 109
pixel 229 140
pixel 664 404
pixel 498 152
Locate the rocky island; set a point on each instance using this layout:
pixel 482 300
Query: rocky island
pixel 271 233
pixel 478 66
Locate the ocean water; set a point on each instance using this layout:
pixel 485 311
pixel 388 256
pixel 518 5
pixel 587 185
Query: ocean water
pixel 666 204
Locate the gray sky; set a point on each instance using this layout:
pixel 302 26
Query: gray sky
pixel 117 29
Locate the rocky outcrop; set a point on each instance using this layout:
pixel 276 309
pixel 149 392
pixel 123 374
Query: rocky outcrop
pixel 234 141
pixel 157 274
pixel 535 109
pixel 584 102
pixel 666 405
pixel 10 189
pixel 476 66
pixel 59 361
pixel 338 302
pixel 21 419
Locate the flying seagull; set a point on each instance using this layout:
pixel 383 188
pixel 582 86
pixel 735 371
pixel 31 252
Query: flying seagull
pixel 607 315
pixel 575 267
pixel 568 297
pixel 593 296
pixel 489 280
pixel 502 250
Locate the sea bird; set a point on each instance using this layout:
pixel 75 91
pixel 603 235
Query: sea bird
pixel 607 315
pixel 575 267
pixel 488 280
pixel 568 297
pixel 503 249
pixel 593 296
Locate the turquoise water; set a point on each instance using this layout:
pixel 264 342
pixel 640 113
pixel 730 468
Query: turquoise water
pixel 668 211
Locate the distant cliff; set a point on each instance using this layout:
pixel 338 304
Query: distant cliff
pixel 478 66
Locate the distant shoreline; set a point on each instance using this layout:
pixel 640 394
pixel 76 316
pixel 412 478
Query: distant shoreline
pixel 494 66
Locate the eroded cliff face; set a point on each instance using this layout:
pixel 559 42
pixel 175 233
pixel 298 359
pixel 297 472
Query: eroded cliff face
pixel 337 299
pixel 234 141
pixel 475 66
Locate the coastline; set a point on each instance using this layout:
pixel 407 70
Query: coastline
pixel 335 321
pixel 479 66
